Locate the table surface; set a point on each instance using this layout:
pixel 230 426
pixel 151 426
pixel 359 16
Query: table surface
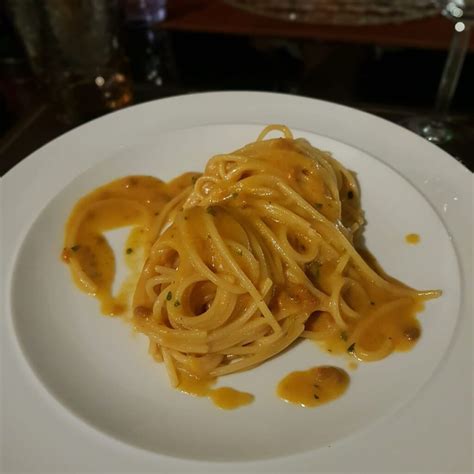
pixel 214 16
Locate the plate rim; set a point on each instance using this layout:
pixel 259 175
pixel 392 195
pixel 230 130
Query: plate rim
pixel 27 165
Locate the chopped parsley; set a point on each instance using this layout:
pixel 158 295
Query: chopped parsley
pixel 129 251
pixel 75 248
pixel 351 348
pixel 350 194
pixel 176 303
pixel 316 397
pixel 211 210
pixel 234 195
pixel 318 205
pixel 194 179
pixel 169 296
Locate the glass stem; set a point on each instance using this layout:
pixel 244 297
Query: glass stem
pixel 452 70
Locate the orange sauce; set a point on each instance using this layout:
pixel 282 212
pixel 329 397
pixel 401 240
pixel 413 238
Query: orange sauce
pixel 132 201
pixel 224 397
pixel 313 387
pixel 397 329
pixel 228 398
pixel 412 239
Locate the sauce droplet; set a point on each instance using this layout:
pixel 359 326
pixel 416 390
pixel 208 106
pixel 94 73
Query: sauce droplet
pixel 313 387
pixel 228 398
pixel 412 238
pixel 224 397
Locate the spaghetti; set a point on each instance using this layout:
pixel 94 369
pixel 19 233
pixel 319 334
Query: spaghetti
pixel 243 260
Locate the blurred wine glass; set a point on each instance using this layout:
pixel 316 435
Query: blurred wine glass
pixel 340 12
pixel 436 128
pixel 75 54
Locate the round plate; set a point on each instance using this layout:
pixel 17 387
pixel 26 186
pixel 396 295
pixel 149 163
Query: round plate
pixel 98 370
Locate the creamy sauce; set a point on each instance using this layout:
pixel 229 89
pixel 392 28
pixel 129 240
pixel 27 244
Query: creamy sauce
pixel 228 398
pixel 133 201
pixel 412 239
pixel 224 397
pixel 397 329
pixel 313 387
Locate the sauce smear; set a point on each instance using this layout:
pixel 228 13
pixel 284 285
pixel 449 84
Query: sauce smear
pixel 228 398
pixel 224 397
pixel 313 387
pixel 412 239
pixel 132 201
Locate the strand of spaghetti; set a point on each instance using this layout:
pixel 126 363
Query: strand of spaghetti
pixel 242 319
pixel 358 260
pixel 293 332
pixel 160 222
pixel 197 262
pixel 270 128
pixel 247 284
pixel 170 368
pixel 346 309
pixel 266 232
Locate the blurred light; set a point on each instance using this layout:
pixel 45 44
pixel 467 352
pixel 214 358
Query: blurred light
pixel 459 26
pixel 455 9
pixel 100 81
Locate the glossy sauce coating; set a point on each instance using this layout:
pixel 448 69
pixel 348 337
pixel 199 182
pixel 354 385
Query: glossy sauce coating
pixel 224 397
pixel 313 387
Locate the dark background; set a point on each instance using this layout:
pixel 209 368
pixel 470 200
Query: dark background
pixel 365 68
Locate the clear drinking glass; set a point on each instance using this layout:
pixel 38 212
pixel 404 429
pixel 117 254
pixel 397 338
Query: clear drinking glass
pixel 74 52
pixel 436 127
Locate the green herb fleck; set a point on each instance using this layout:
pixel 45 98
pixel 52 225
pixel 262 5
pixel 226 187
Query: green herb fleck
pixel 129 251
pixel 211 210
pixel 234 195
pixel 351 348
pixel 350 195
pixel 194 179
pixel 318 205
pixel 75 248
pixel 176 303
pixel 344 335
pixel 316 397
pixel 169 296
pixel 312 270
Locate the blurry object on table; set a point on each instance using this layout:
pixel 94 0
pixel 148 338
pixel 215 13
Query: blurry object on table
pixel 17 85
pixel 340 12
pixel 74 52
pixel 147 46
pixel 437 127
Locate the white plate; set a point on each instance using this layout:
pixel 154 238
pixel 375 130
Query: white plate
pixel 98 371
